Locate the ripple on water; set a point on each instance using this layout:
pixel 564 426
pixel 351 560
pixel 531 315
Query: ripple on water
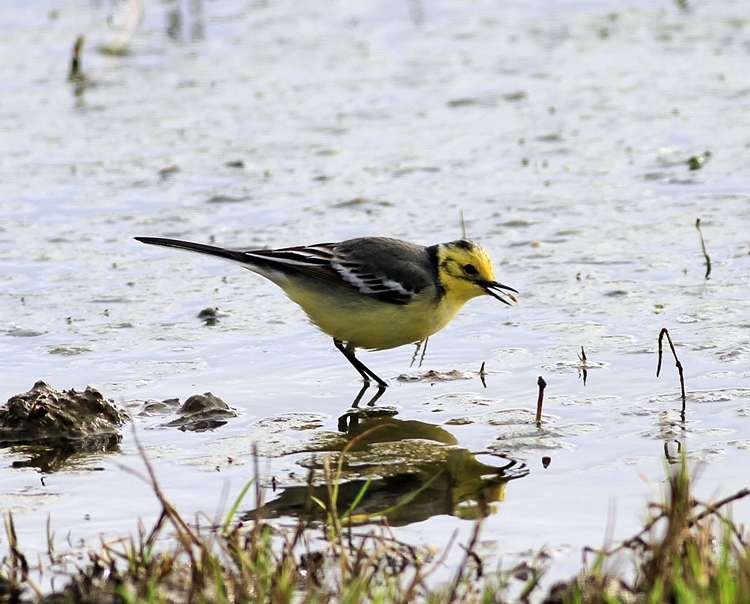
pixel 721 395
pixel 568 399
pixel 273 437
pixel 27 500
pixel 460 400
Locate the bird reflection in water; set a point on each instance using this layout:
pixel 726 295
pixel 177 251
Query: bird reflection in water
pixel 371 403
pixel 415 471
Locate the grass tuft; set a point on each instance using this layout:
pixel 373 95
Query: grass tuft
pixel 687 552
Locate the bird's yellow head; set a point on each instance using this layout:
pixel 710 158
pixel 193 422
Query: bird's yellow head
pixel 465 272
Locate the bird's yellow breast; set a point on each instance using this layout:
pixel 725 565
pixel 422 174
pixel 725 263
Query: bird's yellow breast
pixel 366 322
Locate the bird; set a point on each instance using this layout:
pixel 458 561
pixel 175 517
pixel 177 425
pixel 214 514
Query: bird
pixel 371 293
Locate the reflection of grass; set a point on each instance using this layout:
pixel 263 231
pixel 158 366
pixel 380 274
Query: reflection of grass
pixel 687 552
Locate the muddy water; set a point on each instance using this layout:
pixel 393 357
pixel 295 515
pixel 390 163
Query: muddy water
pixel 565 136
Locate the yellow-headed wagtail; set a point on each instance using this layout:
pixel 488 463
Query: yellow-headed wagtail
pixel 372 292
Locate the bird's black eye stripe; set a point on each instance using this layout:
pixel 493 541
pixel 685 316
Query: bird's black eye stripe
pixel 470 269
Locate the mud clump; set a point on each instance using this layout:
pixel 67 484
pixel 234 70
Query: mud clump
pixel 43 415
pixel 54 430
pixel 202 412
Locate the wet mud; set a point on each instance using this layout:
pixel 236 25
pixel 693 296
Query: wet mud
pixel 50 427
pixel 44 415
pixel 200 412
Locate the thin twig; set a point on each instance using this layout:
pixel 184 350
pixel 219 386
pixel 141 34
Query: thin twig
pixel 540 401
pixel 183 530
pixel 703 247
pixel 712 508
pixel 662 333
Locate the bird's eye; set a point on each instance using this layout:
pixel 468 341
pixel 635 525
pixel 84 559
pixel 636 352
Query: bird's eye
pixel 470 269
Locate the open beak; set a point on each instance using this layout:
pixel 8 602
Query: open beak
pixel 499 291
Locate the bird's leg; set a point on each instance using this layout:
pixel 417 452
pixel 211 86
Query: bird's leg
pixel 358 365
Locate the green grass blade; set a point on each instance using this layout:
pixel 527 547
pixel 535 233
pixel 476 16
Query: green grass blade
pixel 235 506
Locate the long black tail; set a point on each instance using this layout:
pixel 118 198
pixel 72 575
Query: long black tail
pixel 201 248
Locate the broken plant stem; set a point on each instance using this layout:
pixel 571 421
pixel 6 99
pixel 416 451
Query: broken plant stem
pixel 540 401
pixel 662 333
pixel 75 62
pixel 582 368
pixel 703 247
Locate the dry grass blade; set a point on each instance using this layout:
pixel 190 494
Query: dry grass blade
pixel 469 553
pixel 18 562
pixel 182 528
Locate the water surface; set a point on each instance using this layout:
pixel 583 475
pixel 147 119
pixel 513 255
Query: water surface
pixel 561 132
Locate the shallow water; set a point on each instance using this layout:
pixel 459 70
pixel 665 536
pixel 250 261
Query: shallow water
pixel 562 134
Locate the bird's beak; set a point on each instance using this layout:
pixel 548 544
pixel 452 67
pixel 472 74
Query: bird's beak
pixel 499 291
